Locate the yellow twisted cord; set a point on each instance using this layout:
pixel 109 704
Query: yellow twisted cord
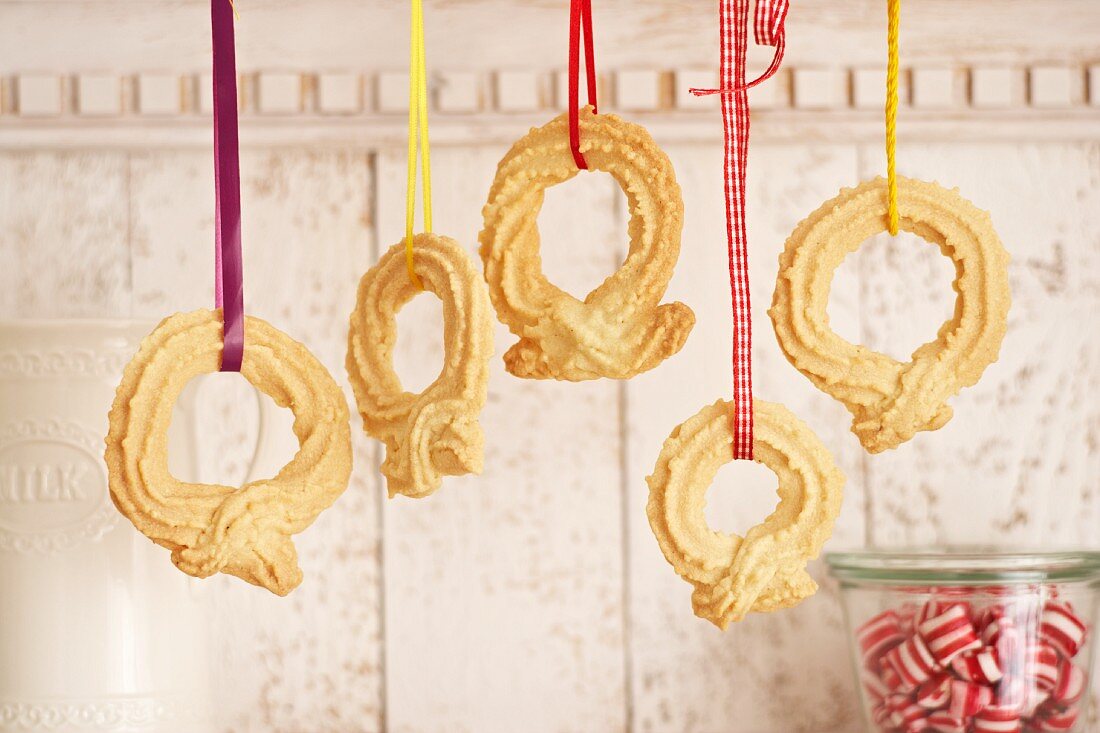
pixel 892 113
pixel 418 125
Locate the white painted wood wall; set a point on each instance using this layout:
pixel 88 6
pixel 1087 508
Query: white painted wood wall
pixel 534 598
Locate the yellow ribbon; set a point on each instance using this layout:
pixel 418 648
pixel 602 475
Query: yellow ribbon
pixel 418 124
pixel 894 11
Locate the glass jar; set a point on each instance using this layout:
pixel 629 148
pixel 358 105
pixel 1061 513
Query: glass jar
pixel 970 641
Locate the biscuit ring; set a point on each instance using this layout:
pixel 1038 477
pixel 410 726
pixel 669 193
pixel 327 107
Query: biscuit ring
pixel 620 329
pixel 436 432
pixel 766 569
pixel 212 528
pixel 891 401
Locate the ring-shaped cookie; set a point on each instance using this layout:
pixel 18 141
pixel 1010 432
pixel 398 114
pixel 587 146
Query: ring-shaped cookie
pixel 212 528
pixel 435 432
pixel 766 569
pixel 890 401
pixel 620 329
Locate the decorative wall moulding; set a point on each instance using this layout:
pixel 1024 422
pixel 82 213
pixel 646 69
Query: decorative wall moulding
pixel 1006 102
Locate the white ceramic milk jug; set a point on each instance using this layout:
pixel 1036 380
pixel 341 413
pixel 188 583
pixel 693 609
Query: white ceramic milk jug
pixel 98 631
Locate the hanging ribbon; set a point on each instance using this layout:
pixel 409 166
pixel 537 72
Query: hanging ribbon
pixel 894 18
pixel 580 17
pixel 418 127
pixel 769 30
pixel 228 270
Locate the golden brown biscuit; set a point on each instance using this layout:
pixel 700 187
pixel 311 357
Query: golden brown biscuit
pixel 766 569
pixel 212 528
pixel 620 329
pixel 436 432
pixel 891 401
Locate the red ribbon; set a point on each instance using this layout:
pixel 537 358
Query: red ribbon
pixel 228 270
pixel 580 14
pixel 769 31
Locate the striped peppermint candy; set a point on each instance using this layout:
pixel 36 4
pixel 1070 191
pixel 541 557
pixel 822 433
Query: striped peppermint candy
pixel 945 722
pixel 1056 720
pixel 916 726
pixel 913 662
pixel 991 628
pixel 950 634
pixel 904 716
pixel 881 715
pixel 890 678
pixel 982 666
pixel 875 687
pixel 1042 666
pixel 878 635
pixel 968 698
pixel 1062 628
pixel 935 692
pixel 998 719
pixel 1071 683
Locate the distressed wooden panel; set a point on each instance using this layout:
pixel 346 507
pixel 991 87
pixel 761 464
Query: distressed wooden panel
pixel 279 93
pixel 1020 452
pixel 519 91
pixel 311 661
pixel 339 93
pixel 628 32
pixel 772 672
pixel 159 94
pixel 820 88
pixel 937 88
pixel 99 94
pixel 63 242
pixel 504 592
pixel 39 95
pixel 639 89
pixel 456 91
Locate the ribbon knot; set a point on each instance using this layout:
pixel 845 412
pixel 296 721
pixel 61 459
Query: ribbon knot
pixel 768 21
pixel 769 29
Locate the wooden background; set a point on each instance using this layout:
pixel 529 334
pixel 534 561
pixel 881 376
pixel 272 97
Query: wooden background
pixel 534 598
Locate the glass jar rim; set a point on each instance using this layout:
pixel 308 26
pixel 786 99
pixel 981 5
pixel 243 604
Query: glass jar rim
pixel 964 565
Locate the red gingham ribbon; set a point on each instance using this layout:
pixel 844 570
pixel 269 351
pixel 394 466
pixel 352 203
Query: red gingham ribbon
pixel 580 15
pixel 769 31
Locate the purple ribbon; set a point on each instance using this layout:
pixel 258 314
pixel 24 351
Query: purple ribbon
pixel 228 270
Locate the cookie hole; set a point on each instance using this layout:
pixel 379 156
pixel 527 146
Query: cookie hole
pixel 214 429
pixel 418 354
pixel 892 294
pixel 582 230
pixel 742 495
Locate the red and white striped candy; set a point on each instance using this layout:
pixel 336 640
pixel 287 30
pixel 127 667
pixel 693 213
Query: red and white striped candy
pixel 1056 720
pixel 912 661
pixel 890 678
pixel 904 716
pixel 1012 692
pixel 879 634
pixel 1036 699
pixel 1071 683
pixel 968 698
pixel 982 666
pixel 875 687
pixel 950 634
pixel 1062 628
pixel 993 628
pixel 881 714
pixel 1042 666
pixel 996 719
pixel 916 726
pixel 945 722
pixel 935 692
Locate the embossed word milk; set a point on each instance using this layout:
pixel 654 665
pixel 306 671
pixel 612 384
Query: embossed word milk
pixel 97 631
